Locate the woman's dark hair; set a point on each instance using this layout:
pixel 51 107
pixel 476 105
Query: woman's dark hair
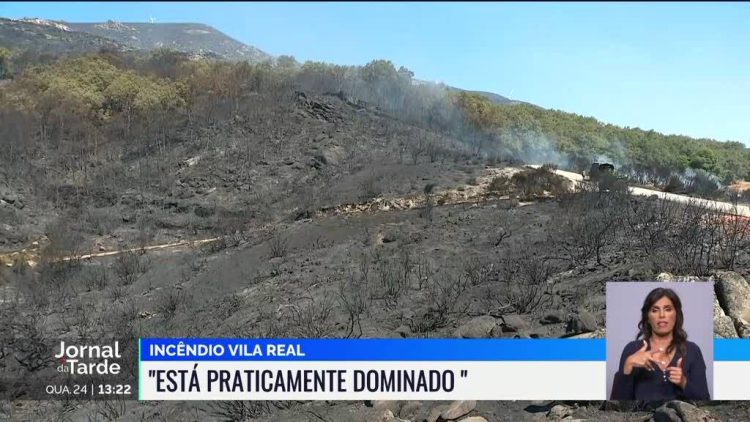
pixel 679 336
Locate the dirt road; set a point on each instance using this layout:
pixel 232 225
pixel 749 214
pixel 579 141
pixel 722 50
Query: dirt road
pixel 467 194
pixel 724 207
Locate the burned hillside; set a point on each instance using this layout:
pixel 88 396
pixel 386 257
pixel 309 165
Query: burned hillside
pixel 325 213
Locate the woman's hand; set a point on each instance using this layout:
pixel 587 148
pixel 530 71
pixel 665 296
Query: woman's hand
pixel 676 376
pixel 640 359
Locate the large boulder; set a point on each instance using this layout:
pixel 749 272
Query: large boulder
pixel 665 414
pixel 388 416
pixel 514 323
pixel 559 412
pixel 733 293
pixel 723 324
pixel 679 411
pixel 724 327
pixel 436 411
pixel 392 405
pixel 457 409
pixel 479 327
pixel 582 322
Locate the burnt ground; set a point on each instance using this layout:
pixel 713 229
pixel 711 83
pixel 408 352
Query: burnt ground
pixel 291 265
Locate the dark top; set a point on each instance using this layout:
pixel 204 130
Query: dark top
pixel 643 384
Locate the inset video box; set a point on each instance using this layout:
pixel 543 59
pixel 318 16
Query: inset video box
pixel 396 369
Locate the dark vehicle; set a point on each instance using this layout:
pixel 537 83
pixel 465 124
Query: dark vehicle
pixel 599 169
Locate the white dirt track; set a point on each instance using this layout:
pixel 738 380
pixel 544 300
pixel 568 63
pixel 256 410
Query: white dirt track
pixel 469 194
pixel 724 207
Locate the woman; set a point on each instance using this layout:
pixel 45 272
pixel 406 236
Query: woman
pixel 661 364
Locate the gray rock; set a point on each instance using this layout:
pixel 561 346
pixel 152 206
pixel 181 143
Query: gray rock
pixel 458 409
pixel 322 159
pixel 583 322
pixel 388 416
pixel 8 196
pixel 733 293
pixel 479 327
pixel 330 156
pixel 599 333
pixel 514 323
pixel 665 414
pixel 668 277
pixel 474 419
pixel 436 412
pixel 718 311
pixel 665 277
pixel 724 327
pixel 686 412
pixel 559 412
pixel 403 331
pixel 723 324
pixel 588 321
pixel 393 405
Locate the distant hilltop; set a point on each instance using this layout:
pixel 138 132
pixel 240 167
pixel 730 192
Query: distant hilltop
pixel 185 37
pixel 60 37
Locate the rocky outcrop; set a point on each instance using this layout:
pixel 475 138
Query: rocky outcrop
pixel 457 409
pixel 583 322
pixel 479 327
pixel 723 324
pixel 678 411
pixel 559 412
pixel 733 293
pixel 514 323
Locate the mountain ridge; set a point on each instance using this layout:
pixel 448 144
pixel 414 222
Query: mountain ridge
pixel 193 38
pixel 55 37
pixel 50 37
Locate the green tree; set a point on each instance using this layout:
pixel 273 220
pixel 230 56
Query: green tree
pixel 121 94
pixel 378 71
pixel 286 62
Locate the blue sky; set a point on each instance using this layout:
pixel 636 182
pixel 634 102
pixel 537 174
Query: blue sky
pixel 673 67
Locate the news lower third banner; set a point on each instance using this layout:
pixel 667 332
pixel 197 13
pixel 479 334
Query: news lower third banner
pixel 397 369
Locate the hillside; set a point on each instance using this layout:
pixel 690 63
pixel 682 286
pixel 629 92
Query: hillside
pixel 50 38
pixel 495 98
pixel 493 125
pixel 532 132
pixel 190 38
pixel 319 201
pixel 33 41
